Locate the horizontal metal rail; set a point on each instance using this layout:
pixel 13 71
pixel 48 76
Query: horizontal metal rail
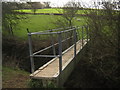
pixel 52 56
pixel 59 31
pixel 53 30
pixel 37 33
pixel 44 49
pixel 51 46
pixel 43 33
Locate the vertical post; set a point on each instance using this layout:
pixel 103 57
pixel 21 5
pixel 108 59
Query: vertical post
pixel 60 52
pixel 87 33
pixel 65 37
pixel 31 52
pixel 75 42
pixel 52 42
pixel 78 34
pixel 82 35
pixel 60 58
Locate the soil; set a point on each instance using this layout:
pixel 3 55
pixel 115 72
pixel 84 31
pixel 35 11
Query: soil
pixel 14 79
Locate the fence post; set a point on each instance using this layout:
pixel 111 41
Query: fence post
pixel 52 42
pixel 78 33
pixel 60 52
pixel 82 35
pixel 75 42
pixel 60 58
pixel 31 53
pixel 87 33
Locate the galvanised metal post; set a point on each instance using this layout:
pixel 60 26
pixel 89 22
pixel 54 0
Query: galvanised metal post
pixel 52 42
pixel 31 53
pixel 78 34
pixel 87 33
pixel 60 58
pixel 60 52
pixel 82 35
pixel 75 42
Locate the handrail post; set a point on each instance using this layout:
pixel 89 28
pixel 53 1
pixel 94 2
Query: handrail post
pixel 60 58
pixel 52 42
pixel 82 36
pixel 87 33
pixel 75 42
pixel 60 52
pixel 78 34
pixel 86 27
pixel 31 52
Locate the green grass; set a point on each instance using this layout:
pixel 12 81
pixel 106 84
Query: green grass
pixel 37 23
pixel 50 10
pixel 14 78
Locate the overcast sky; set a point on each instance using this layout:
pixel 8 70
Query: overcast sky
pixel 60 3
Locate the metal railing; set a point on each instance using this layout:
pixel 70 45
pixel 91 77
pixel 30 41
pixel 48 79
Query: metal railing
pixel 75 36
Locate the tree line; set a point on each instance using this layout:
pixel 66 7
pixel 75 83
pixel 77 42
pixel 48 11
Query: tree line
pixel 10 18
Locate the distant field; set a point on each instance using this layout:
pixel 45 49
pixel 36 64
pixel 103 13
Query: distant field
pixel 50 10
pixel 40 23
pixel 35 23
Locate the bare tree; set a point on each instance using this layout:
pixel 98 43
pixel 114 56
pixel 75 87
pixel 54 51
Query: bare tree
pixel 105 42
pixel 47 4
pixel 9 17
pixel 69 12
pixel 35 6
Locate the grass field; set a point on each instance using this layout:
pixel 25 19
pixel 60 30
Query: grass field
pixel 34 23
pixel 37 23
pixel 49 10
pixel 40 23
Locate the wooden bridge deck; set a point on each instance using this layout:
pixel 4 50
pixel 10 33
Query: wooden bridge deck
pixel 51 69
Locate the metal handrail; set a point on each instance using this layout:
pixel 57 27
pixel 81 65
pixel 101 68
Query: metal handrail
pixel 52 56
pixel 37 33
pixel 50 46
pixel 53 30
pixel 60 41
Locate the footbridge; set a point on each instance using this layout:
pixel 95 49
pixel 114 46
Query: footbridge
pixel 64 60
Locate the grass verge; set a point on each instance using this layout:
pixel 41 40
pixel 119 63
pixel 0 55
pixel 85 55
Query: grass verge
pixel 14 78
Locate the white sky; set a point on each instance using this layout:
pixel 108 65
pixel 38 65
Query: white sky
pixel 62 2
pixel 86 3
pixel 54 3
